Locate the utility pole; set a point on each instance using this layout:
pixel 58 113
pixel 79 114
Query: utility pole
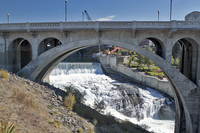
pixel 170 10
pixel 65 10
pixel 8 17
pixel 158 14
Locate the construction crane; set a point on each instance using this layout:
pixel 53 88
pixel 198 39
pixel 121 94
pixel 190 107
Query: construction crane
pixel 87 15
pixel 88 19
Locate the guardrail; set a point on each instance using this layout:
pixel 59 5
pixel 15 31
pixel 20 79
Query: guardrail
pixel 96 25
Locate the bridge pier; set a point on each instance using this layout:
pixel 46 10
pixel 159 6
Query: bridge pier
pixel 2 52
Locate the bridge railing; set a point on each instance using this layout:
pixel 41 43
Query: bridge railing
pixel 99 25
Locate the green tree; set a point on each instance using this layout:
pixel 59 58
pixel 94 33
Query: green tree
pixel 172 60
pixel 131 58
pixel 147 62
pixel 148 48
pixel 177 61
pixel 140 59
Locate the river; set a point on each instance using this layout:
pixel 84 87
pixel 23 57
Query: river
pixel 124 100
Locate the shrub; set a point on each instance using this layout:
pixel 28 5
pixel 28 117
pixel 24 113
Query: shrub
pixel 5 128
pixel 30 103
pixel 56 123
pixel 90 130
pixel 80 130
pixel 69 101
pixel 78 95
pixel 21 74
pixel 19 96
pixel 94 121
pixel 4 74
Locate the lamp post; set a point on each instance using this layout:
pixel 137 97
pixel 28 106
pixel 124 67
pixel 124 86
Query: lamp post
pixel 170 10
pixel 158 14
pixel 8 17
pixel 65 10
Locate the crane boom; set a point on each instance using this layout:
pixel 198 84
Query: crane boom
pixel 87 15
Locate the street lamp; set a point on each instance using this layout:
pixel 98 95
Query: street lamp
pixel 158 14
pixel 65 10
pixel 8 17
pixel 170 10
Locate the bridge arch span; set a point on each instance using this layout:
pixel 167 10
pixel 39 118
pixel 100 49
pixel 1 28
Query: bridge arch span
pixel 182 86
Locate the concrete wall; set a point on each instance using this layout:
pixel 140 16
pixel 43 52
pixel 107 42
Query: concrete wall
pixel 2 53
pixel 150 81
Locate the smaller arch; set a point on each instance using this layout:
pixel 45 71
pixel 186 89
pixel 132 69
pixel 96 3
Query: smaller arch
pixel 26 53
pixel 187 57
pixel 47 44
pixel 19 54
pixel 156 45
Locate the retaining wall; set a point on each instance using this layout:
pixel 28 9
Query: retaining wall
pixel 150 81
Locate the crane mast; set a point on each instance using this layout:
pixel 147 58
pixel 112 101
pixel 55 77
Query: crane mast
pixel 87 15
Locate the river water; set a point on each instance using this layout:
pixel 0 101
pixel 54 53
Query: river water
pixel 124 100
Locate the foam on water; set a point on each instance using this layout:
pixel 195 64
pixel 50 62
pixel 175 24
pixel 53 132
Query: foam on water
pixel 90 80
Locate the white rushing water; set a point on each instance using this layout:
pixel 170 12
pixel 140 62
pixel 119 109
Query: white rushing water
pixel 89 79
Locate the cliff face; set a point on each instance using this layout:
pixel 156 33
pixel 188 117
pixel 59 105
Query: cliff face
pixel 37 107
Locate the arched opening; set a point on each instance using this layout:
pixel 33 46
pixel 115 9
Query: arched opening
pixel 47 44
pixel 20 54
pixel 184 57
pixel 26 53
pixel 154 44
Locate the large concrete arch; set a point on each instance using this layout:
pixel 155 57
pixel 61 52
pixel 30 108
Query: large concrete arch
pixel 183 87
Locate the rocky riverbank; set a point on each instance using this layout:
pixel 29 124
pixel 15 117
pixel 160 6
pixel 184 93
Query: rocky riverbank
pixel 35 107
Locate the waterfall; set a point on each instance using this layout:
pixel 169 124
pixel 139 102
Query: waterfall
pixel 141 105
pixel 77 68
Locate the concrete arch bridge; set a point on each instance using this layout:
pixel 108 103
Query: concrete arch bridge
pixel 36 48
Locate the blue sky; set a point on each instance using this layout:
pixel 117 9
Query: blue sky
pixel 115 10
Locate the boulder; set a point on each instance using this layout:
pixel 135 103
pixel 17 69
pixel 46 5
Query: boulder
pixel 166 113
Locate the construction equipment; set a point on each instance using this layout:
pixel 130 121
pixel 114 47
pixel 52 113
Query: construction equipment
pixel 87 15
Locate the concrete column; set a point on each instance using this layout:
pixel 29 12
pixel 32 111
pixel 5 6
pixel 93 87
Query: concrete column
pixel 168 51
pixel 181 59
pixel 34 49
pixel 198 70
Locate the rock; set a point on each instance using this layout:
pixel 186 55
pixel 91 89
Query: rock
pixel 14 116
pixel 52 99
pixel 60 98
pixel 166 113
